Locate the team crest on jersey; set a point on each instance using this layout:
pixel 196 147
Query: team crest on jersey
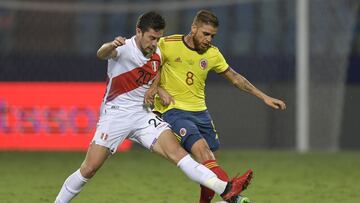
pixel 154 65
pixel 203 64
pixel 183 132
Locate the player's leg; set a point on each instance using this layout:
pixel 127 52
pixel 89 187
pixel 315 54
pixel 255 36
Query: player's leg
pixel 95 157
pixel 207 130
pixel 110 132
pixel 168 146
pixel 202 153
pixel 185 125
pixel 203 150
pixel 158 137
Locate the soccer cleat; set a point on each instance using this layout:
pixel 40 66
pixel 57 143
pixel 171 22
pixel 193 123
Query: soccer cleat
pixel 237 185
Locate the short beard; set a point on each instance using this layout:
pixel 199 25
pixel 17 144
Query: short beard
pixel 147 54
pixel 197 46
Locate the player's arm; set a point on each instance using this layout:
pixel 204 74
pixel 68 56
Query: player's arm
pixel 151 92
pixel 242 83
pixel 154 89
pixel 166 98
pixel 108 50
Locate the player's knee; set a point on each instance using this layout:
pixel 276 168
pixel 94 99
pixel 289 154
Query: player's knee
pixel 180 153
pixel 87 170
pixel 168 147
pixel 205 155
pixel 176 154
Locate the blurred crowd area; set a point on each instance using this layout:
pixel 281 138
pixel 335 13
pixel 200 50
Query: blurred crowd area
pixel 261 32
pixel 264 28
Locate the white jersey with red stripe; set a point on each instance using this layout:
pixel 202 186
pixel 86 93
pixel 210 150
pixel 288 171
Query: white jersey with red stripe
pixel 130 75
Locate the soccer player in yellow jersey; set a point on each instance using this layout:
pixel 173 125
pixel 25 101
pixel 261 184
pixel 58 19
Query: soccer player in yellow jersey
pixel 186 61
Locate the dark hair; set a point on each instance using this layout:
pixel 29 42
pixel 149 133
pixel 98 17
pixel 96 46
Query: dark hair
pixel 206 17
pixel 150 20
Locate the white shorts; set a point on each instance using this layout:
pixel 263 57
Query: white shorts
pixel 116 124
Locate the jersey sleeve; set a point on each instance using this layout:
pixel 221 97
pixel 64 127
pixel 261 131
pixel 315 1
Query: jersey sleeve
pixel 220 64
pixel 122 48
pixel 116 58
pixel 118 50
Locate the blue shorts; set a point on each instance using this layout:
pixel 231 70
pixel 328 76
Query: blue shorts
pixel 190 126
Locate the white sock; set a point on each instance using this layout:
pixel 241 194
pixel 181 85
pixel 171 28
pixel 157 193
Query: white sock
pixel 199 173
pixel 71 187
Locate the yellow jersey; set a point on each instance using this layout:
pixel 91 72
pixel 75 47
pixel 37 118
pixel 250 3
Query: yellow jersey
pixel 184 72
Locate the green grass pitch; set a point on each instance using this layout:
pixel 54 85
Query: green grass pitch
pixel 140 176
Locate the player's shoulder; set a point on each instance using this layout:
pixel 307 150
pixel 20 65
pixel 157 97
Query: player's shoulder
pixel 129 44
pixel 126 49
pixel 173 38
pixel 213 50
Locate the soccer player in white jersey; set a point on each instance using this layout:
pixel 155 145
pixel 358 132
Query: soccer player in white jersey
pixel 132 66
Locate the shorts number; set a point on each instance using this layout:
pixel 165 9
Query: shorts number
pixel 156 121
pixel 189 78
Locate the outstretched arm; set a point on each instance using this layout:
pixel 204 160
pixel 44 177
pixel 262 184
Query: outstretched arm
pixel 108 50
pixel 242 83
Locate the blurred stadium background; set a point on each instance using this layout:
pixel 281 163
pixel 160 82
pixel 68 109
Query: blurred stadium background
pixel 54 43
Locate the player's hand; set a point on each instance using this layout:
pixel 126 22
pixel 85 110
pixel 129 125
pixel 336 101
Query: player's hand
pixel 118 41
pixel 149 96
pixel 166 98
pixel 275 103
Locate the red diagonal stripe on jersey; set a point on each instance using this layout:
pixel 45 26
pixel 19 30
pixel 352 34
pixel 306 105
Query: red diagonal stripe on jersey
pixel 135 78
